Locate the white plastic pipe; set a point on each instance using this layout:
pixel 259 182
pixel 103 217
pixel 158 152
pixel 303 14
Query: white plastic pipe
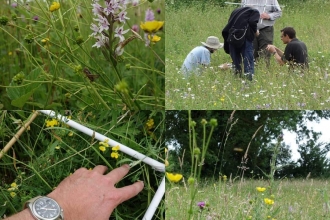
pixel 155 201
pixel 153 163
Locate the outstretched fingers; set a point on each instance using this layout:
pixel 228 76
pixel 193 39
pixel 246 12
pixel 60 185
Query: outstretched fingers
pixel 130 191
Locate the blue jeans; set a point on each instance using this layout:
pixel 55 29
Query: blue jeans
pixel 245 52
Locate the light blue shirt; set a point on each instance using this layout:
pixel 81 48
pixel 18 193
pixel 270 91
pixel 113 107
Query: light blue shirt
pixel 199 55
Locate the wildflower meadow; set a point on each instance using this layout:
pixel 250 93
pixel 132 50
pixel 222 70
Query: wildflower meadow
pixel 82 54
pixel 189 24
pixel 221 166
pixel 46 150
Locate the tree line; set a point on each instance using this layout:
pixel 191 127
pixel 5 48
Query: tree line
pixel 254 133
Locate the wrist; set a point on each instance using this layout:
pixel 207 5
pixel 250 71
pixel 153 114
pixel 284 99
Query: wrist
pixel 23 215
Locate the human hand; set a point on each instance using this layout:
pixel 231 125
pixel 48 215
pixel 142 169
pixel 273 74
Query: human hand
pixel 257 33
pixel 265 16
pixel 271 48
pixel 89 195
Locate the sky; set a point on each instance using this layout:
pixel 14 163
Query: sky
pixel 290 137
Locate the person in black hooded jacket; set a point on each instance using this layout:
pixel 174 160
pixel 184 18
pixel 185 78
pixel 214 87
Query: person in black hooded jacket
pixel 242 18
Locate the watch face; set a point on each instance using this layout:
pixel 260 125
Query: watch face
pixel 46 208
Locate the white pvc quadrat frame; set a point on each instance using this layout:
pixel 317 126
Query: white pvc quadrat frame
pixel 153 163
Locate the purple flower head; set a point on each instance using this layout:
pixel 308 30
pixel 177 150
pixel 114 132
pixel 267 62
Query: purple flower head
pixel 135 28
pixel 201 205
pixel 14 5
pixel 120 33
pixel 150 16
pixel 111 7
pixel 122 16
pixel 97 8
pixel 135 2
pixel 158 10
pixel 103 23
pixel 35 18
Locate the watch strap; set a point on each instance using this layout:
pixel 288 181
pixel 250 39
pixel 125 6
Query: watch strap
pixel 28 204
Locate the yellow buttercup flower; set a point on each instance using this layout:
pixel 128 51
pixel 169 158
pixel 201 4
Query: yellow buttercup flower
pixel 151 26
pixel 45 40
pixel 114 154
pixel 269 201
pixel 55 6
pixel 116 148
pixel 13 194
pixel 52 123
pixel 174 177
pixel 260 189
pixel 154 38
pixel 102 148
pixel 104 143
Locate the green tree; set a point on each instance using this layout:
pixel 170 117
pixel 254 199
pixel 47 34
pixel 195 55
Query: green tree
pixel 313 157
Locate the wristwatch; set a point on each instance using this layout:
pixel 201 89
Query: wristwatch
pixel 44 208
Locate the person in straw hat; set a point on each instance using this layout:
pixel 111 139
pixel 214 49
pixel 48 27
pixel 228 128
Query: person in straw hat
pixel 200 56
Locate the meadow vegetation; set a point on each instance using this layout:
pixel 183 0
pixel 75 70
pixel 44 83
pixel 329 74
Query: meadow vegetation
pixel 52 59
pixel 48 151
pixel 202 187
pixel 272 88
pixel 303 199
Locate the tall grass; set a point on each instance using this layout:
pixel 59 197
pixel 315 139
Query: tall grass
pixel 42 60
pixel 272 88
pixel 294 199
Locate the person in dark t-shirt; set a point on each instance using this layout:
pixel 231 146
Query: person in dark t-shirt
pixel 295 52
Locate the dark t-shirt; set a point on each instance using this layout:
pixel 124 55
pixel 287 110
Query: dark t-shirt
pixel 296 53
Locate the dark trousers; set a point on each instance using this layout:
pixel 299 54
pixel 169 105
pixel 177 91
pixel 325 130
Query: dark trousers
pixel 260 43
pixel 245 53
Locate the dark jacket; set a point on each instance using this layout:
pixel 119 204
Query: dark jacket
pixel 249 16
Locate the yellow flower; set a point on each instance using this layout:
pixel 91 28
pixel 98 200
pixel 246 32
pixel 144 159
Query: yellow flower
pixel 57 147
pixel 115 148
pixel 260 189
pixel 13 194
pixel 70 134
pixel 105 143
pixel 151 26
pixel 45 40
pixel 55 6
pixel 13 187
pixel 114 154
pixel 224 177
pixel 269 201
pixel 10 53
pixel 174 177
pixel 222 99
pixel 102 148
pixel 154 38
pixel 150 124
pixel 52 123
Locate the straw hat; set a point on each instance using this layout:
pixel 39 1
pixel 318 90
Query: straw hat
pixel 212 42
